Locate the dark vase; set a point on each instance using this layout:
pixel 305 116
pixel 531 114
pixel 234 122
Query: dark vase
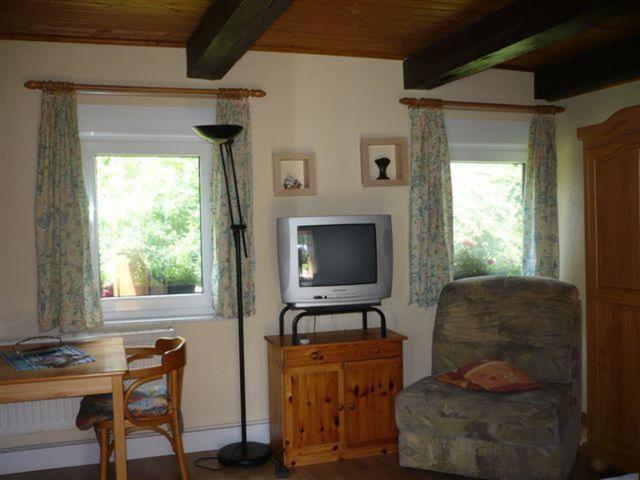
pixel 382 164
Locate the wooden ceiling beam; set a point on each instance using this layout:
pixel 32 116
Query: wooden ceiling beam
pixel 609 65
pixel 226 31
pixel 518 28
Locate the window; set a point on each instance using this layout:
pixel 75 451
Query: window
pixel 151 227
pixel 487 211
pixel 487 172
pixel 149 201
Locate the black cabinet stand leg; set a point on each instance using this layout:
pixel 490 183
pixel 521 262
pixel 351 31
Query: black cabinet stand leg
pixel 294 328
pixel 330 311
pixel 383 322
pixel 282 312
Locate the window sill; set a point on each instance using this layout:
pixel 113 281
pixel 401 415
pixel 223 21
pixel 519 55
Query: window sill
pixel 132 323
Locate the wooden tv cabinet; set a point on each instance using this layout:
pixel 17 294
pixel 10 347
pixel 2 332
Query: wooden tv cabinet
pixel 334 397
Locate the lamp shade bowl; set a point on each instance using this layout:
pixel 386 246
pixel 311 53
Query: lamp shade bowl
pixel 217 134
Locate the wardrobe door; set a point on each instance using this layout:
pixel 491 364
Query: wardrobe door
pixel 612 225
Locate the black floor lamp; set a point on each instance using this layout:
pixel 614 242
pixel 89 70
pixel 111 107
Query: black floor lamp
pixel 244 453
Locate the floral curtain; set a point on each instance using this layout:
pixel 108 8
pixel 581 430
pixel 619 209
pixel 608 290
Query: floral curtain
pixel 540 252
pixel 68 293
pixel 223 282
pixel 430 207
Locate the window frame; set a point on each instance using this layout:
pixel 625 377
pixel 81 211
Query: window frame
pixel 196 306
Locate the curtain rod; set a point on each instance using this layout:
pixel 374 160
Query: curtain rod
pixel 50 86
pixel 496 107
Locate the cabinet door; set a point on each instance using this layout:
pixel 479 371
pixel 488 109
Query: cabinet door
pixel 314 413
pixel 371 388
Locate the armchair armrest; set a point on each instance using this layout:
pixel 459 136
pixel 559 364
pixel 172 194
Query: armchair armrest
pixel 139 353
pixel 141 373
pixel 145 350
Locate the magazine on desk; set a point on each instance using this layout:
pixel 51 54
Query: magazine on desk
pixel 56 356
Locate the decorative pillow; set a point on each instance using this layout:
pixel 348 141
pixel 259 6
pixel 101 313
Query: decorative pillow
pixel 490 376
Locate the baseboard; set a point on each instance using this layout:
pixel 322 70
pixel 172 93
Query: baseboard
pixel 70 454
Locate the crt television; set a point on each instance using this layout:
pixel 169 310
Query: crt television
pixel 340 260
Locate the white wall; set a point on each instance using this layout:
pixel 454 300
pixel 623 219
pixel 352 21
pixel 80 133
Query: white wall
pixel 319 103
pixel 587 109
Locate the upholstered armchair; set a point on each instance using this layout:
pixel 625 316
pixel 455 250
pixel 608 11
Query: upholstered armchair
pixel 532 323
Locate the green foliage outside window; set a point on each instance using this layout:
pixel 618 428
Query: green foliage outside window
pixel 148 211
pixel 487 210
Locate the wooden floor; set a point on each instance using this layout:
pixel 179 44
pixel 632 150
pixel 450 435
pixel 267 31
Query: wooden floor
pixel 378 467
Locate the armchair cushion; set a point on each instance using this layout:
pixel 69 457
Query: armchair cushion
pixel 531 418
pixel 147 401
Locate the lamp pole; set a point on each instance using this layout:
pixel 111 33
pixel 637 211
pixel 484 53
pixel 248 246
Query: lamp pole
pixel 243 453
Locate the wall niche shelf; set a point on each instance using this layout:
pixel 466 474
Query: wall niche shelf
pixel 294 174
pixel 384 156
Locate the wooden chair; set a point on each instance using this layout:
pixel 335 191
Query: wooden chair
pixel 173 352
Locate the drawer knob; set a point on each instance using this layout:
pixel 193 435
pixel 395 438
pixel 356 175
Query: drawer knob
pixel 314 355
pixel 352 406
pixel 340 407
pixel 376 350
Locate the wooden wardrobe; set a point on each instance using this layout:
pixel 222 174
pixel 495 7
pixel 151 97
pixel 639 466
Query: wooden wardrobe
pixel 612 249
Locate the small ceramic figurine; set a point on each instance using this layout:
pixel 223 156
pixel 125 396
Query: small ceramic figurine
pixel 382 164
pixel 292 183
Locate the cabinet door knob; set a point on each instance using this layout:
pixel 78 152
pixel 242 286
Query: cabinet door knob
pixel 340 407
pixel 376 350
pixel 314 355
pixel 352 406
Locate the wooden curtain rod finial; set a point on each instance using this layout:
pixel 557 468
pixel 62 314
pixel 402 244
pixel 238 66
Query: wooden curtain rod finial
pixel 139 90
pixel 496 107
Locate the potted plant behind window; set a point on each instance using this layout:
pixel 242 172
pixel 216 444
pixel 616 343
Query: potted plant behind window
pixel 179 273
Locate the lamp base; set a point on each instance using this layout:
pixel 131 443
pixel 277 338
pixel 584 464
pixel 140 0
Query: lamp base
pixel 249 454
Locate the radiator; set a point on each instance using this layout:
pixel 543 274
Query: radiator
pixel 60 414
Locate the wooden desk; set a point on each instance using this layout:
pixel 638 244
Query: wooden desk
pixel 102 376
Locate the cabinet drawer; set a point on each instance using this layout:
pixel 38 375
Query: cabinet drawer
pixel 342 352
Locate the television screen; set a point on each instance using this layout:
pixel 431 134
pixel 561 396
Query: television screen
pixel 337 254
